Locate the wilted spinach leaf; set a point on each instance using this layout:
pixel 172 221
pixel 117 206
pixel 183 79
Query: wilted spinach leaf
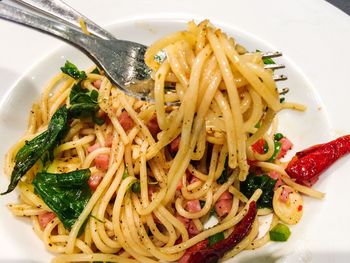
pixel 71 70
pixel 265 183
pixel 66 194
pixel 41 145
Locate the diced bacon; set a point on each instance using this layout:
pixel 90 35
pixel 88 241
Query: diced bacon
pixel 45 218
pixel 192 229
pixel 174 145
pixel 193 206
pixel 95 180
pixel 275 175
pixel 258 146
pixel 153 127
pixel 179 185
pixel 151 190
pixel 223 207
pixel 156 219
pixel 194 179
pixel 286 145
pixel 93 147
pixel 125 121
pixel 97 83
pixel 102 161
pixel 185 221
pixel 109 140
pixel 189 175
pixel 251 162
pixel 225 196
pixel 284 194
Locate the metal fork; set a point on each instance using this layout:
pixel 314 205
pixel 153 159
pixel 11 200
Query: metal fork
pixel 121 60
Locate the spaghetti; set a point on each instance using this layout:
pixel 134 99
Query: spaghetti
pixel 158 172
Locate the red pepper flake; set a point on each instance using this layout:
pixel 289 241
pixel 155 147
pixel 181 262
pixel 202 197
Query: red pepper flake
pixel 300 207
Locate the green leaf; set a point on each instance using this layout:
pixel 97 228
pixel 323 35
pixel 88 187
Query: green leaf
pixel 96 71
pixel 224 175
pixel 71 70
pixel 39 146
pixel 215 238
pixel 66 194
pixel 263 182
pixel 84 104
pixel 280 233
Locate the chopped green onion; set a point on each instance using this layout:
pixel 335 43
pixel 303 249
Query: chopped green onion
pixel 215 238
pixel 136 187
pixel 282 99
pixel 278 136
pixel 278 146
pixel 125 174
pixel 267 61
pixel 266 147
pixel 280 233
pixel 202 203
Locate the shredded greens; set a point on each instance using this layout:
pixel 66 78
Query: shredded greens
pixel 71 70
pixel 42 145
pixel 263 182
pixel 66 194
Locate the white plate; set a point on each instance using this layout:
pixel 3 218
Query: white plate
pixel 313 37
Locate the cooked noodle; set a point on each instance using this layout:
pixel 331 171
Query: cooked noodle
pixel 223 92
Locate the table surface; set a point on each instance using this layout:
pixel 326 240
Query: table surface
pixel 344 5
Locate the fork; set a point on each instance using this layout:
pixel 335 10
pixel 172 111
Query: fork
pixel 121 60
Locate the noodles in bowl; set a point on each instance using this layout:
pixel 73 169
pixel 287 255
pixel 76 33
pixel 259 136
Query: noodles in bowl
pixel 122 180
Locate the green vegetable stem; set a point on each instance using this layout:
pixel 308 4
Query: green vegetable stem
pixel 280 233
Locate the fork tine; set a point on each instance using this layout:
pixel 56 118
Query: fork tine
pixel 280 77
pixel 284 91
pixel 272 54
pixel 274 66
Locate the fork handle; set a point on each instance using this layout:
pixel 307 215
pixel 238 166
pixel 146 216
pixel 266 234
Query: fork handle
pixel 56 29
pixel 61 10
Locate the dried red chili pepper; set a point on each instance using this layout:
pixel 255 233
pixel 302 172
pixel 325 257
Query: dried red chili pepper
pixel 259 146
pixel 201 253
pixel 307 165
